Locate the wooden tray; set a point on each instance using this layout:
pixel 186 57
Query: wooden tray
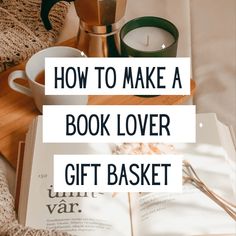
pixel 17 110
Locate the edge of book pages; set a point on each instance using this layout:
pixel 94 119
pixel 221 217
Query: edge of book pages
pixel 222 135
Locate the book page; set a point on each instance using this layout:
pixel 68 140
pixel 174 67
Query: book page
pixel 80 213
pixel 192 212
pixel 86 214
pixel 188 213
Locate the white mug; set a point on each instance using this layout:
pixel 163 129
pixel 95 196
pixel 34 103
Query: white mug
pixel 34 66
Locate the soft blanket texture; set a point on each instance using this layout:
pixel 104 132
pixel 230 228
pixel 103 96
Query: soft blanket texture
pixel 22 32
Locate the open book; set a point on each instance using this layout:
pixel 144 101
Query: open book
pixel 124 214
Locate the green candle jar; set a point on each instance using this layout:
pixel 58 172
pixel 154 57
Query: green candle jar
pixel 149 36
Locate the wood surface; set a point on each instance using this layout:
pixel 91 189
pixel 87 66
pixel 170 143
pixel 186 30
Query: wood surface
pixel 18 110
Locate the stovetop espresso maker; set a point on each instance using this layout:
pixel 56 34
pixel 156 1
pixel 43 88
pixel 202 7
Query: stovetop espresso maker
pixel 100 22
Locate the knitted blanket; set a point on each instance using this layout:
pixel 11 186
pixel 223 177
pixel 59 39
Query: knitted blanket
pixel 8 223
pixel 22 32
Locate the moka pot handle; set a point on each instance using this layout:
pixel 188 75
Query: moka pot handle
pixel 46 6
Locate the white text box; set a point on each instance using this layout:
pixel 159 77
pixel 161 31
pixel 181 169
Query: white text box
pixel 112 124
pixel 117 76
pixel 117 173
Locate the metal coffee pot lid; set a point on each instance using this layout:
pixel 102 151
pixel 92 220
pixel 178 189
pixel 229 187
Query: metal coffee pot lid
pixel 90 12
pixel 100 12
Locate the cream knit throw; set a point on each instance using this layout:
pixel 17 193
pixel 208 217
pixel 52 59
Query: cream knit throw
pixel 8 223
pixel 22 32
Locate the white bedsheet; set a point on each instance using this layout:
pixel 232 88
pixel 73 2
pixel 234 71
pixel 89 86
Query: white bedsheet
pixel 213 26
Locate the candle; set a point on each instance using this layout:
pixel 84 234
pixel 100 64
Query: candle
pixel 148 39
pixel 149 36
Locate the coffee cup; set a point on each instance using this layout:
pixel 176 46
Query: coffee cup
pixel 34 66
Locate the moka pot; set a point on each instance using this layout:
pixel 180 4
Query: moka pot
pixel 100 22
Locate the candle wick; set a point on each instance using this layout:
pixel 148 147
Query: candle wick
pixel 147 44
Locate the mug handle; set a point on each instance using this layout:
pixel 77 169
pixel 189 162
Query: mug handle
pixel 18 74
